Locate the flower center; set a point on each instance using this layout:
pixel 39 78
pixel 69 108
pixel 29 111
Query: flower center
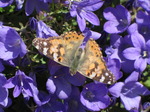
pixel 123 22
pixel 90 95
pixel 145 54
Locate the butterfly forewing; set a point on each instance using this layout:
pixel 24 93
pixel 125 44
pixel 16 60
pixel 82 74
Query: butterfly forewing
pixel 93 66
pixel 61 49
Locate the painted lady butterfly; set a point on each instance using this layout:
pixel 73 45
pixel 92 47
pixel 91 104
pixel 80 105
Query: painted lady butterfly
pixel 65 50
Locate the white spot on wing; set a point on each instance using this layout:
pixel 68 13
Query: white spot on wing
pixel 55 55
pixel 102 79
pixel 45 51
pixel 106 74
pixel 44 43
pixel 37 46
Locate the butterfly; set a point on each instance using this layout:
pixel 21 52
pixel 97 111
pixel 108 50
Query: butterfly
pixel 65 50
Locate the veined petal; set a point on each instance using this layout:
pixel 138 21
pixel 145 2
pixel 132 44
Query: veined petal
pixel 29 7
pixel 130 103
pixel 91 17
pixel 81 22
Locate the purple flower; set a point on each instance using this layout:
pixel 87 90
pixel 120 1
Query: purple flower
pixel 61 80
pixel 52 106
pixel 118 19
pixel 129 91
pixel 43 31
pixel 118 44
pixel 143 21
pixel 83 11
pixel 145 4
pixel 22 84
pixel 73 103
pixel 39 5
pixel 11 45
pixel 33 23
pixel 3 91
pixel 94 96
pixel 4 3
pixel 140 52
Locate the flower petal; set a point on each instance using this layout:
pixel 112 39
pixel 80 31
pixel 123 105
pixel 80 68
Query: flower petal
pixel 140 64
pixel 132 53
pixel 81 22
pixel 91 17
pixel 130 103
pixel 115 90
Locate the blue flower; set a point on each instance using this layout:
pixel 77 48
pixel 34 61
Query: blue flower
pixel 129 91
pixel 39 5
pixel 60 81
pixel 94 96
pixel 118 19
pixel 143 22
pixel 43 31
pixel 3 91
pixel 53 105
pixel 83 11
pixel 140 52
pixel 22 84
pixel 11 45
pixel 73 103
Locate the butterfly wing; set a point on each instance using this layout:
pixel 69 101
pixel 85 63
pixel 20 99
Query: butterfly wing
pixel 93 66
pixel 60 49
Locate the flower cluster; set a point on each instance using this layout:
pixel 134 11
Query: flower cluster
pixel 41 85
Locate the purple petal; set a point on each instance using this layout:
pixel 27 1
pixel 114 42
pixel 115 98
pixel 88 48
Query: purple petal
pixel 4 3
pixel 130 103
pixel 140 64
pixel 132 53
pixel 133 77
pixel 95 35
pixel 97 105
pixel 138 40
pixel 91 17
pixel 76 79
pixel 29 6
pixel 133 28
pixel 3 94
pixel 11 82
pixel 51 87
pixel 17 91
pixel 108 13
pixel 145 4
pixel 115 90
pixel 63 88
pixel 81 22
pixel 111 27
pixel 5 54
pixel 93 5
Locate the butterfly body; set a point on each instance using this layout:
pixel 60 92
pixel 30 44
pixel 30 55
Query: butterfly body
pixel 66 51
